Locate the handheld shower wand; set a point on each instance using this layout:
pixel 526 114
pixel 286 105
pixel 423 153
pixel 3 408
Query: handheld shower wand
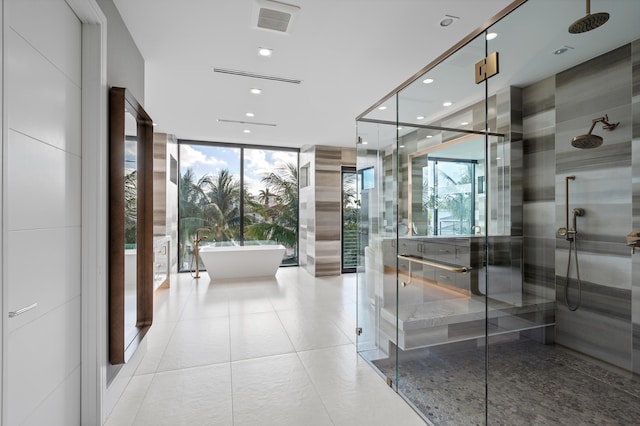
pixel 570 235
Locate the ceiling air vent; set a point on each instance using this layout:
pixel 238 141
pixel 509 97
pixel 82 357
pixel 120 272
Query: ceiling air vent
pixel 274 15
pixel 275 20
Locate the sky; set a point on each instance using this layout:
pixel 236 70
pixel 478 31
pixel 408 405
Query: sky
pixel 203 159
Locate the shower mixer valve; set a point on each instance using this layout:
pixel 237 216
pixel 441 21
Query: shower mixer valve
pixel 569 233
pixel 633 240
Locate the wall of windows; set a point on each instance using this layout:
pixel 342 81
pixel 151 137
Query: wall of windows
pixel 237 195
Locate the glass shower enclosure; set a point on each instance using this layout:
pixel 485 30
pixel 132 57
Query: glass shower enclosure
pixel 461 271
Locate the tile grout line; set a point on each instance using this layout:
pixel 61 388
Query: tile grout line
pixel 315 388
pixel 155 372
pixel 233 420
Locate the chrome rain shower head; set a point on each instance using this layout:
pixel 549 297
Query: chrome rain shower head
pixel 588 22
pixel 593 141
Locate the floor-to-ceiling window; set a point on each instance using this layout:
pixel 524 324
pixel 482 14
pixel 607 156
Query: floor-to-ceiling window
pixel 237 195
pixel 350 209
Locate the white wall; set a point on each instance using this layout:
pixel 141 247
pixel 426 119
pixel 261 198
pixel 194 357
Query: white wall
pixel 125 64
pixel 42 211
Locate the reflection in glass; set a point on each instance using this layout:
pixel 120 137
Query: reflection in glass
pixel 445 197
pixel 130 227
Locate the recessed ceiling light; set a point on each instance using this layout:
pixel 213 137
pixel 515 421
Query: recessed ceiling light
pixel 246 131
pixel 264 51
pixel 250 114
pixel 256 91
pixel 427 81
pixel 401 146
pixel 447 104
pixel 429 136
pixel 419 117
pixel 382 108
pixel 491 36
pixel 464 123
pixel 448 20
pixel 399 128
pixel 364 142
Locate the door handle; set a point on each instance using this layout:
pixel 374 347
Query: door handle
pixel 23 310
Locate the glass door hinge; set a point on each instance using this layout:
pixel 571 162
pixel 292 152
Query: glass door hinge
pixel 358 331
pixel 488 67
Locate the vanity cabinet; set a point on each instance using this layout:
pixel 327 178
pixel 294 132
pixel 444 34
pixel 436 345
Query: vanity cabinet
pixel 441 260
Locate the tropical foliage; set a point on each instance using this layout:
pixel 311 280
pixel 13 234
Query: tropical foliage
pixel 130 208
pixel 274 212
pixel 350 212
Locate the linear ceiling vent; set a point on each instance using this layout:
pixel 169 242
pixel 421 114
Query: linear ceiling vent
pixel 253 123
pixel 255 75
pixel 274 15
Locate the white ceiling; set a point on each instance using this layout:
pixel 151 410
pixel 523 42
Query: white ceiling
pixel 348 54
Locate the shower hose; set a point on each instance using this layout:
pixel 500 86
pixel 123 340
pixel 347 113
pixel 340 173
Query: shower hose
pixel 573 244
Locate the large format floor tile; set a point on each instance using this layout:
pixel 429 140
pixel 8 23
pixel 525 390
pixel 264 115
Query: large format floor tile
pixel 275 391
pixel 258 335
pixel 192 396
pixel 197 342
pixel 259 352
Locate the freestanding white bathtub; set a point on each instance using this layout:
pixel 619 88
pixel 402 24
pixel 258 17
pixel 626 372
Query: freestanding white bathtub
pixel 242 261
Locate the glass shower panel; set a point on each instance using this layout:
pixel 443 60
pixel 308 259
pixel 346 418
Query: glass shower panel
pixel 443 197
pixel 376 276
pixel 548 363
pixel 441 306
pixel 476 312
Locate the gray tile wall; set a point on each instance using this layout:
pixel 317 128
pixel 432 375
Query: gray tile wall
pixel 538 186
pixel 165 193
pixel 635 156
pixel 555 110
pixel 321 208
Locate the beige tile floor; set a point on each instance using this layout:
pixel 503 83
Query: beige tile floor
pixel 269 352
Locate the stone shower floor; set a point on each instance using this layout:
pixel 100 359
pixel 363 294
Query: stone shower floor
pixel 528 384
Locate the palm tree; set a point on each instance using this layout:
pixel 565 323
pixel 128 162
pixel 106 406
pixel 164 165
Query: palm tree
pixel 264 196
pixel 192 199
pixel 223 206
pixel 278 220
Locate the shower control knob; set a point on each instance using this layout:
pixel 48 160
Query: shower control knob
pixel 562 232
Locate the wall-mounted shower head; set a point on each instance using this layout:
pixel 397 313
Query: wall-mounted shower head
pixel 586 141
pixel 588 22
pixel 593 141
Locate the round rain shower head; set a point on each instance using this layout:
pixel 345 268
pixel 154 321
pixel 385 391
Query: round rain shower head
pixel 588 23
pixel 586 141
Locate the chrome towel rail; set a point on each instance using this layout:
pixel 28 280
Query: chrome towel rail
pixel 450 268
